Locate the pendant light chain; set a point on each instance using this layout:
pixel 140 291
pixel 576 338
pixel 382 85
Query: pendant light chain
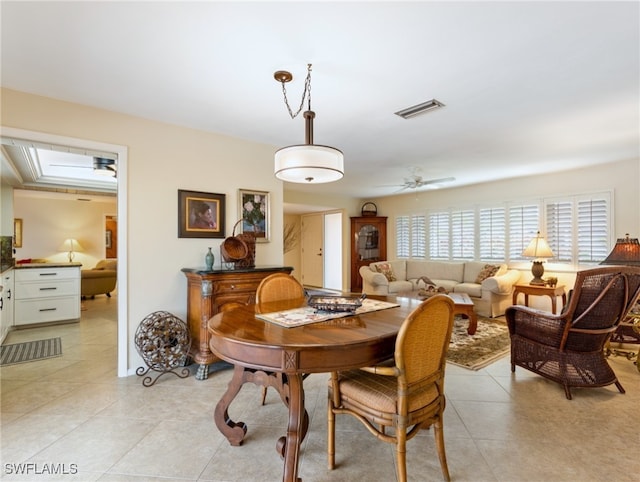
pixel 305 94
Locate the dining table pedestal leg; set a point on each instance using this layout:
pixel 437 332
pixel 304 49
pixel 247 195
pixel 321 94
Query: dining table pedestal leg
pixel 291 391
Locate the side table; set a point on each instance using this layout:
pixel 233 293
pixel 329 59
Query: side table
pixel 536 290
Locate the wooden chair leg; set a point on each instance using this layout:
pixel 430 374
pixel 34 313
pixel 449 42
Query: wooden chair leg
pixel 401 453
pixel 331 436
pixel 263 395
pixel 442 455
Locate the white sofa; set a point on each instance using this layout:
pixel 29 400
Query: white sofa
pixel 491 297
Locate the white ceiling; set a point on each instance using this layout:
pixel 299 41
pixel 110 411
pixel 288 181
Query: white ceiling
pixel 528 87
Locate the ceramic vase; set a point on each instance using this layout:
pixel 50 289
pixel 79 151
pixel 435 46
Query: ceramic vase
pixel 208 260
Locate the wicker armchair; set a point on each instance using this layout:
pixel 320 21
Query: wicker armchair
pixel 407 395
pixel 569 348
pixel 278 287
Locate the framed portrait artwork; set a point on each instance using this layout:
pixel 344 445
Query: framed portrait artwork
pixel 255 212
pixel 200 214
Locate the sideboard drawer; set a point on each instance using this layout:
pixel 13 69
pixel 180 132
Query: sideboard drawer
pixel 235 286
pixel 46 309
pixel 47 289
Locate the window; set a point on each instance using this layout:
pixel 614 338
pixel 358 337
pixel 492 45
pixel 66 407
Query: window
pixel 411 235
pixel 402 237
pixel 492 234
pixel 593 230
pixel 463 235
pixel 560 230
pixel 439 236
pixel 418 236
pixel 524 224
pixel 577 229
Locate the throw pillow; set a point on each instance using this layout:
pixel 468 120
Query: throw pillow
pixel 486 272
pixel 386 270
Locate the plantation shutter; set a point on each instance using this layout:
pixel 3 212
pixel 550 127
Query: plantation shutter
pixel 560 230
pixel 418 236
pixel 402 237
pixel 524 222
pixel 593 229
pixel 439 236
pixel 463 235
pixel 492 234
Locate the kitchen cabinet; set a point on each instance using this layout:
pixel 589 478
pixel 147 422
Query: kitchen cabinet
pixel 46 293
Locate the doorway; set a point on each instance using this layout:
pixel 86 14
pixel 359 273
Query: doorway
pixel 120 154
pixel 321 250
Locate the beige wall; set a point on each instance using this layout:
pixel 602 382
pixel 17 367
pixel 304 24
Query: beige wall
pixel 161 159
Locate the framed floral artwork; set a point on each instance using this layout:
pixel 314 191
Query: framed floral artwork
pixel 200 214
pixel 255 212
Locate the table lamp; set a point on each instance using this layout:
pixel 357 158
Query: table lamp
pixel 626 252
pixel 538 248
pixel 71 245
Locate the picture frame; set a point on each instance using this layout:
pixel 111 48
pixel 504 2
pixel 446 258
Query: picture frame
pixel 17 232
pixel 107 239
pixel 201 214
pixel 254 209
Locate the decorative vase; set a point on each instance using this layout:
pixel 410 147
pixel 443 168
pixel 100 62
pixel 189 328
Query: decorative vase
pixel 208 260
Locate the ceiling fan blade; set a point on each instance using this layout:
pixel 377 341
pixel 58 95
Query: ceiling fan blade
pixel 437 181
pixel 69 165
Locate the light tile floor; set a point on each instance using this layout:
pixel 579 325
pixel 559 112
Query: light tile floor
pixel 73 414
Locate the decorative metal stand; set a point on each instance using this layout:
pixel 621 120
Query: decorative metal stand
pixel 163 342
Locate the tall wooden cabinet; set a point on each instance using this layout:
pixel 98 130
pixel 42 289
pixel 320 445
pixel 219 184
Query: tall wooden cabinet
pixel 209 292
pixel 368 244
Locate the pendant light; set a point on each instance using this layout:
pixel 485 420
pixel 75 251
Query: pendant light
pixel 306 163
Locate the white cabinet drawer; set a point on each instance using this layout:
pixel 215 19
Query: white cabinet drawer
pixel 40 274
pixel 46 309
pixel 47 289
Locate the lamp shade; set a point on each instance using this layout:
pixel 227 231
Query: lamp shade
pixel 71 245
pixel 625 252
pixel 538 248
pixel 309 164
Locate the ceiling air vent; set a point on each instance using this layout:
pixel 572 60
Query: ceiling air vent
pixel 428 106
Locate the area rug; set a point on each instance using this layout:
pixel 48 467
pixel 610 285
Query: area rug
pixel 489 343
pixel 30 351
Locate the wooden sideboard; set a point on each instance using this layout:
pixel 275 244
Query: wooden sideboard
pixel 208 293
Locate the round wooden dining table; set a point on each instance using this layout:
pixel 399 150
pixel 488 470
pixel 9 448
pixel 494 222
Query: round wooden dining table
pixel 268 354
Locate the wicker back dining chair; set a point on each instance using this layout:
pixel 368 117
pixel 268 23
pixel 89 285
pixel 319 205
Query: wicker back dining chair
pixel 277 287
pixel 407 394
pixel 569 348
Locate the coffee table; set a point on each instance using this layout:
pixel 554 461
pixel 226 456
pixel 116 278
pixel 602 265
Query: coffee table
pixel 464 306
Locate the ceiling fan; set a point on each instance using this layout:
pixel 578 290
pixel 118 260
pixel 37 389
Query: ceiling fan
pixel 414 181
pixel 101 165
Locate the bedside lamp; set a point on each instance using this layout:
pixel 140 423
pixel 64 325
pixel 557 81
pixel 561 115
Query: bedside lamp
pixel 538 248
pixel 70 245
pixel 626 252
